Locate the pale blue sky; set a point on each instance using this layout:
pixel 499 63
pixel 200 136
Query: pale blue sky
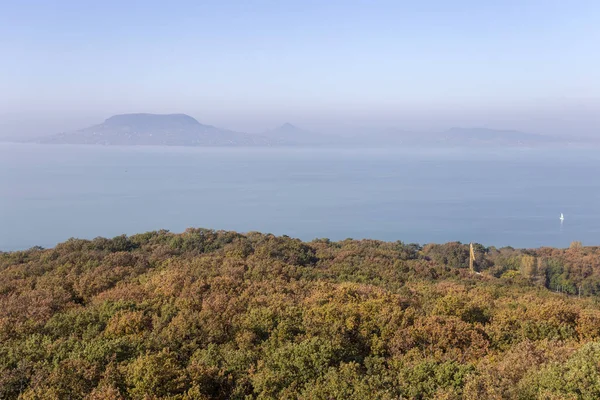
pixel 327 65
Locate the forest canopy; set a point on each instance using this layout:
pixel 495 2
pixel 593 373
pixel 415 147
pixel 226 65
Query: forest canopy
pixel 221 315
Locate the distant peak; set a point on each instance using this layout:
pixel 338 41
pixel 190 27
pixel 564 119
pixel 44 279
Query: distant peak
pixel 287 125
pixel 481 130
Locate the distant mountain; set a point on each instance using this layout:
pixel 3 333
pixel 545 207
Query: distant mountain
pixel 462 137
pixel 485 136
pixel 183 130
pixel 290 134
pixel 157 129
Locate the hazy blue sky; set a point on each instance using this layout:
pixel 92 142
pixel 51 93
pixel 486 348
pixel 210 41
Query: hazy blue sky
pixel 525 64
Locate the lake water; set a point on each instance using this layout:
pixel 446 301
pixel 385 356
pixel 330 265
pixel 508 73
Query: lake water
pixel 494 197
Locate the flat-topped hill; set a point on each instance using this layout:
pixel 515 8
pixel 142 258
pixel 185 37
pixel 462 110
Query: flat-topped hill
pixel 157 129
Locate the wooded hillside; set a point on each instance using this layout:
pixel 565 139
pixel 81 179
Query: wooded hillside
pixel 221 315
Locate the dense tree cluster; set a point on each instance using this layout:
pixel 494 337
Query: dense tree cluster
pixel 221 315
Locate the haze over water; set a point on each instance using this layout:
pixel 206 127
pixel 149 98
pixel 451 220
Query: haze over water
pixel 494 197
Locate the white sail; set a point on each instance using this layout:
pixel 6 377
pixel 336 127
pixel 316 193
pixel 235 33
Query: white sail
pixel 562 217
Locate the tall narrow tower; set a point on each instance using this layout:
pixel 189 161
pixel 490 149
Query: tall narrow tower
pixel 471 257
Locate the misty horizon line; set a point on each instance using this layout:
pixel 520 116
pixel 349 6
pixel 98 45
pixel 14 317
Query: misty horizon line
pixel 25 129
pixel 362 128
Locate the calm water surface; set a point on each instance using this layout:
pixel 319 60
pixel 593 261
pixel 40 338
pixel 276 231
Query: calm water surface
pixel 495 197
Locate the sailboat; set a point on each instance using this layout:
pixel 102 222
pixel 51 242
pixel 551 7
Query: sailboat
pixel 562 217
